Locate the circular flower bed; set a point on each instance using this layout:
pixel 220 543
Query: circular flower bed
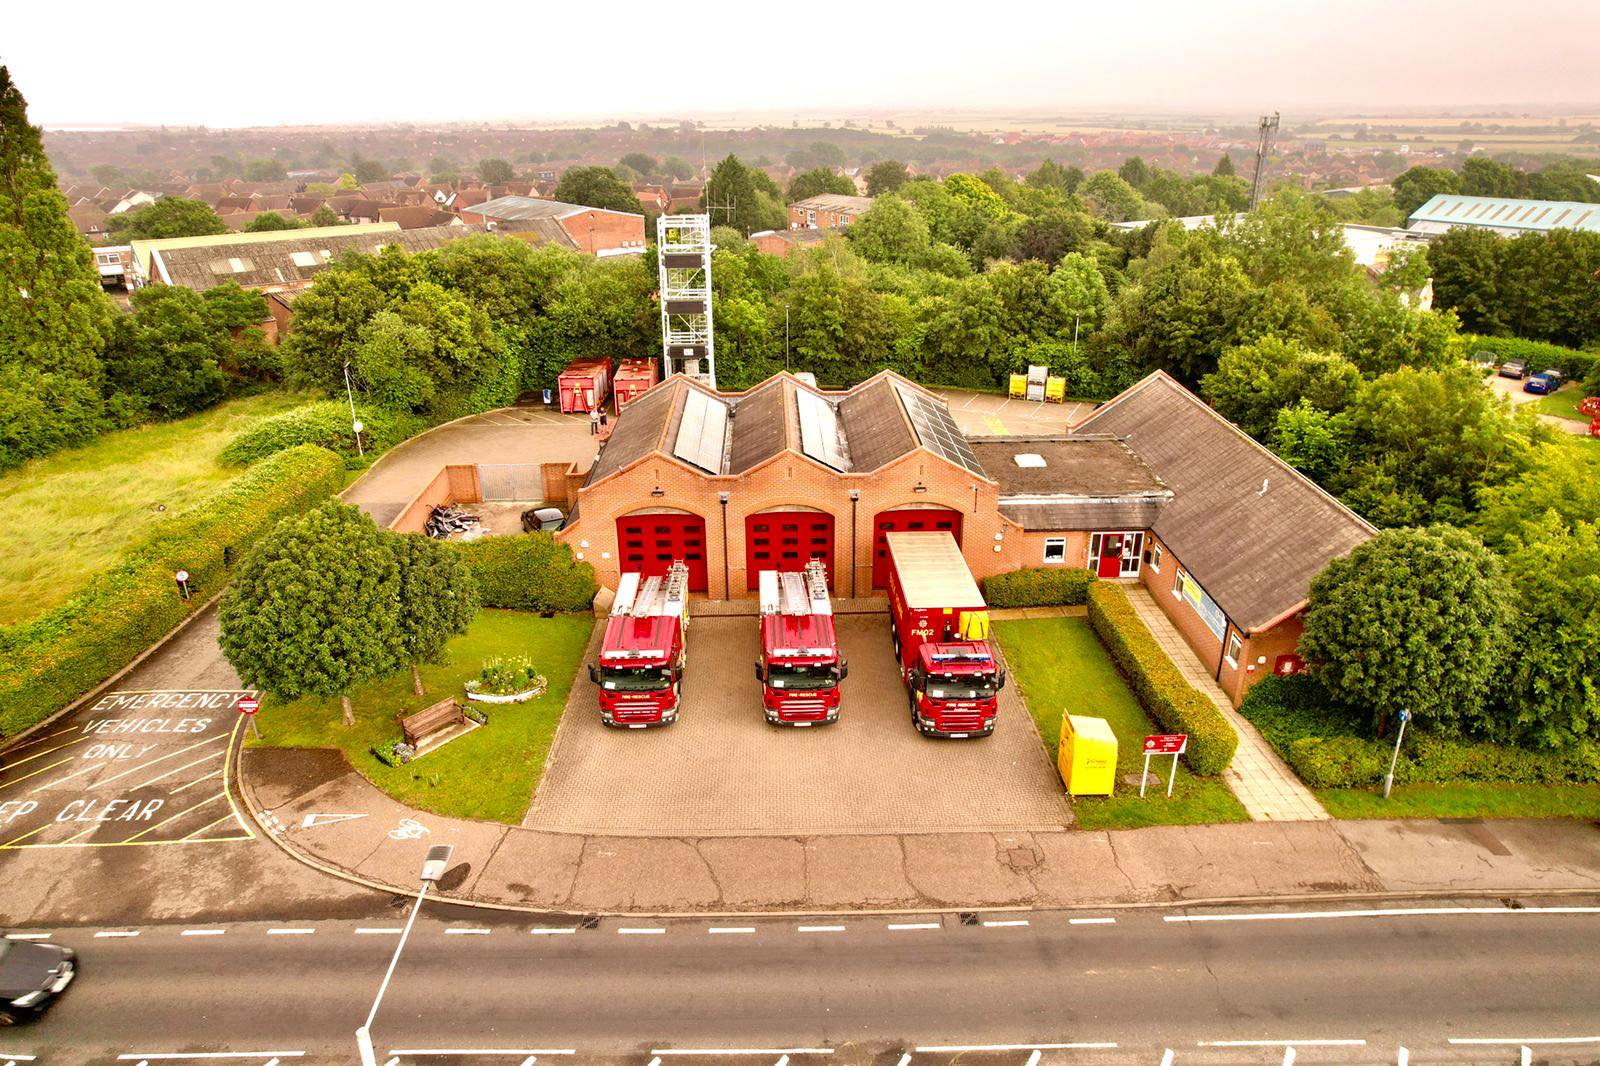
pixel 506 681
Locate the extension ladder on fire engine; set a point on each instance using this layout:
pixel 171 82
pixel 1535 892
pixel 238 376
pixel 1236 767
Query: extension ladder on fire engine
pixel 805 592
pixel 662 595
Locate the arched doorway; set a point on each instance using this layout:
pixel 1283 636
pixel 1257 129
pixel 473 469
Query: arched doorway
pixel 648 543
pixel 787 540
pixel 902 520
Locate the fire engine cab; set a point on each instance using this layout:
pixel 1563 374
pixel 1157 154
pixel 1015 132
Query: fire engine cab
pixel 799 668
pixel 642 656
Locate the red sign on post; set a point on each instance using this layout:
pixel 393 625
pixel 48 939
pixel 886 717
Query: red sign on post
pixel 249 705
pixel 1166 744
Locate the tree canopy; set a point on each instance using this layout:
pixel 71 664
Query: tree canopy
pixel 170 216
pixel 817 181
pixel 596 187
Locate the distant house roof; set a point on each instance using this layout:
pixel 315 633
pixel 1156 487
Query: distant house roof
pixel 1449 210
pixel 832 201
pixel 520 208
pixel 1248 527
pixel 792 236
pixel 417 216
pixel 89 219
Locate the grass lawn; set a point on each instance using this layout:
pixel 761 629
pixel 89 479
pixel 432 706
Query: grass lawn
pixel 491 772
pixel 1059 665
pixel 73 512
pixel 1465 801
pixel 1563 403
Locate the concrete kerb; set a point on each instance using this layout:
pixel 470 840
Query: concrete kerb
pixel 386 456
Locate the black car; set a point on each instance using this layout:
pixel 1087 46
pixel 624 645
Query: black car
pixel 31 976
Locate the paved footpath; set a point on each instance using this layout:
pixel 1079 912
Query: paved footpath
pixel 1266 786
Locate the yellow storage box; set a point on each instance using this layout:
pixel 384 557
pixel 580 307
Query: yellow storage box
pixel 1019 386
pixel 1055 390
pixel 1088 756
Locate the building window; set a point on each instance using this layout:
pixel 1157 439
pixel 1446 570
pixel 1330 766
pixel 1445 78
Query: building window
pixel 1155 557
pixel 1235 645
pixel 1055 549
pixel 1132 553
pixel 1177 584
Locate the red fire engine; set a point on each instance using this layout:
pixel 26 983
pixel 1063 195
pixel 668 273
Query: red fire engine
pixel 940 627
pixel 640 672
pixel 799 668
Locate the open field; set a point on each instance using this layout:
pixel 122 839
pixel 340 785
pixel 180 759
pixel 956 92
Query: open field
pixel 1060 667
pixel 72 513
pixel 491 772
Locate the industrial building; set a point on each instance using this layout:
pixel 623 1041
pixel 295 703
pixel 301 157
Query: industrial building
pixel 1153 486
pixel 1503 215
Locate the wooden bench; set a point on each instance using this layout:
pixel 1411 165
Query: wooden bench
pixel 417 727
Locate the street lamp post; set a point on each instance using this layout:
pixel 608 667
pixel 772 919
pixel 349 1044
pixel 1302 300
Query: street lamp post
pixel 1388 778
pixel 433 868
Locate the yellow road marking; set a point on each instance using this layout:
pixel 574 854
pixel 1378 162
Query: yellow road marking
pixel 16 840
pixel 203 828
pixel 68 777
pixel 78 836
pixel 159 758
pixel 185 766
pixel 196 781
pixel 47 751
pixel 233 749
pixel 37 772
pixel 41 740
pixel 173 818
pixel 994 424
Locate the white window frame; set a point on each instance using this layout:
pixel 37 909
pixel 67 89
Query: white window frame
pixel 1133 540
pixel 1155 557
pixel 1177 584
pixel 1059 543
pixel 1235 648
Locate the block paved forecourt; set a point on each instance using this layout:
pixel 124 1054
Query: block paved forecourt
pixel 721 769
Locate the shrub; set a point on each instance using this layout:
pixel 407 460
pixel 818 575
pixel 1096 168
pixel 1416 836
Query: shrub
pixel 47 662
pixel 529 572
pixel 507 677
pixel 1574 364
pixel 1158 684
pixel 1336 762
pixel 1038 586
pixel 325 424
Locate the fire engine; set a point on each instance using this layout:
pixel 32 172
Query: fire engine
pixel 642 656
pixel 799 668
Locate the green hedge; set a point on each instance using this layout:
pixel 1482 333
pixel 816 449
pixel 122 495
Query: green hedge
pixel 325 424
pixel 1038 586
pixel 1325 748
pixel 529 572
pixel 1161 689
pixel 47 662
pixel 1539 355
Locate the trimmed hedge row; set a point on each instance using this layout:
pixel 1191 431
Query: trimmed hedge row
pixel 529 572
pixel 1539 355
pixel 1161 689
pixel 47 662
pixel 1321 744
pixel 1038 586
pixel 325 424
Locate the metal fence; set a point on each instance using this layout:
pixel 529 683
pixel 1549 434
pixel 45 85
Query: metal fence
pixel 511 482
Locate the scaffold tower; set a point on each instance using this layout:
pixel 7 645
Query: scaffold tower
pixel 683 246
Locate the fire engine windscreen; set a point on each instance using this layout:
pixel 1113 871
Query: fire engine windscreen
pixel 804 678
pixel 961 686
pixel 634 678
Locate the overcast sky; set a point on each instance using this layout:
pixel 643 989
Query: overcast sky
pixel 236 64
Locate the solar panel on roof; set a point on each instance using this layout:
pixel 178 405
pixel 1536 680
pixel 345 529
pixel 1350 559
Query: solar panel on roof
pixel 937 430
pixel 702 432
pixel 820 435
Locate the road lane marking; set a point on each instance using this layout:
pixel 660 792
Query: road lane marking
pixel 481 1051
pixel 1281 1043
pixel 1009 924
pixel 174 818
pixel 14 841
pixel 212 1055
pixel 158 758
pixel 641 932
pixel 1091 921
pixel 27 936
pixel 934 1049
pixel 1525 1040
pixel 820 929
pixel 42 754
pixel 372 931
pixel 290 932
pixel 545 930
pixel 105 934
pixel 744 1051
pixel 466 932
pixel 190 837
pixel 179 769
pixel 202 932
pixel 41 740
pixel 1167 1055
pixel 905 1060
pixel 36 773
pixel 1033 1059
pixel 1387 912
pixel 719 929
pixel 908 926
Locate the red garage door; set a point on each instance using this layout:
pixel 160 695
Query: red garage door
pixel 786 540
pixel 900 521
pixel 648 543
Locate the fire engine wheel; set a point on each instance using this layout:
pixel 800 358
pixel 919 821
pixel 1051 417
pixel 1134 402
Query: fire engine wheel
pixel 894 638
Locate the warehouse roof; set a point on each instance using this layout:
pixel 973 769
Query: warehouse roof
pixel 143 249
pixel 1251 529
pixel 518 208
pixel 294 258
pixel 1449 210
pixel 832 201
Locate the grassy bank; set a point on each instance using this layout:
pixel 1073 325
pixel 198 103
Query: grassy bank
pixel 491 772
pixel 1465 801
pixel 74 512
pixel 1059 666
pixel 1563 404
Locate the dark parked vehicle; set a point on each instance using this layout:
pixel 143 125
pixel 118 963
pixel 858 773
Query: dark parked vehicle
pixel 1543 384
pixel 1514 368
pixel 31 976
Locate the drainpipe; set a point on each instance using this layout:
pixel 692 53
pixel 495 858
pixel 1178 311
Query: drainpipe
pixel 855 497
pixel 726 592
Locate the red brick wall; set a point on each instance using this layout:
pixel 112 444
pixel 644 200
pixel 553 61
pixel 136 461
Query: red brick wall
pixel 1182 613
pixel 824 219
pixel 457 483
pixel 772 245
pixel 606 231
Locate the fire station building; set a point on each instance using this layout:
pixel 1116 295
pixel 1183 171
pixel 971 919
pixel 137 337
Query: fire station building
pixel 1152 486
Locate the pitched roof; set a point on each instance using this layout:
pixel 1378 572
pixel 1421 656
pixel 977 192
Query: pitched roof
pixel 518 208
pixel 832 201
pixel 1448 210
pixel 288 258
pixel 1248 527
pixel 855 431
pixel 416 216
pixel 88 218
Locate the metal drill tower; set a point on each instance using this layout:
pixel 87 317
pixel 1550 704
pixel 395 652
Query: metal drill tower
pixel 683 247
pixel 1266 130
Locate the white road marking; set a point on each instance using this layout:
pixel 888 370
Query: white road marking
pixel 1388 912
pixel 213 1055
pixel 1033 1059
pixel 1280 1043
pixel 482 1051
pixel 68 777
pixel 17 1058
pixel 1091 921
pixel 1167 1055
pixel 1404 1058
pixel 641 932
pixel 957 1048
pixel 159 758
pixel 820 928
pixel 905 1060
pixel 203 932
pixel 1009 924
pixel 655 1060
pixel 374 932
pixel 115 933
pixel 1288 1056
pixel 744 1051
pixel 905 926
pixel 718 929
pixel 290 932
pixel 1525 1040
pixel 466 932
pixel 783 1060
pixel 544 930
pixel 27 936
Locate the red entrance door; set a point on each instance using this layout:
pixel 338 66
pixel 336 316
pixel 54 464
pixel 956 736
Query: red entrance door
pixel 900 521
pixel 1110 555
pixel 786 540
pixel 648 543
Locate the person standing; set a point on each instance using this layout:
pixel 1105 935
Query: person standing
pixel 594 421
pixel 603 414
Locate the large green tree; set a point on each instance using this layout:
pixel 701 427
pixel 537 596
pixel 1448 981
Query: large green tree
pixel 495 171
pixel 268 221
pixel 170 216
pixel 816 181
pixel 315 608
pixel 744 198
pixel 886 176
pixel 1419 185
pixel 596 187
pixel 1413 619
pixel 166 358
pixel 438 599
pixel 1253 382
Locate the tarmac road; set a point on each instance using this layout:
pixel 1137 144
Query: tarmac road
pixel 1320 988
